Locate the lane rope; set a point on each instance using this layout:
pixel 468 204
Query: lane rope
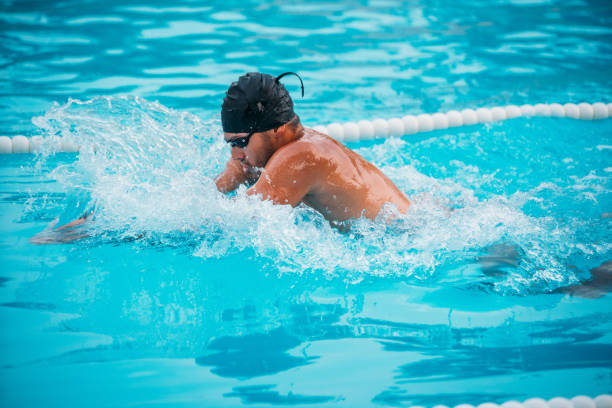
pixel 579 401
pixel 395 127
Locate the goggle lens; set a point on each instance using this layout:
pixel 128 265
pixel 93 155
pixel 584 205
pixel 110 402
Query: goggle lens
pixel 241 142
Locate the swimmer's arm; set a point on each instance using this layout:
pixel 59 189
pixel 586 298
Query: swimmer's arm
pixel 232 177
pixel 287 179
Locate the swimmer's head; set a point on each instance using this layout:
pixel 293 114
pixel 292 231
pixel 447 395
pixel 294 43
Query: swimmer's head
pixel 256 103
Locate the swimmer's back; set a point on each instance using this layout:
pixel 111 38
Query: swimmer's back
pixel 346 185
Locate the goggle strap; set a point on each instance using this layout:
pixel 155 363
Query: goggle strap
pixel 292 73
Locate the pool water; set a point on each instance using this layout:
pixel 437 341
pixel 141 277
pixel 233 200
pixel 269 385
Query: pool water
pixel 495 286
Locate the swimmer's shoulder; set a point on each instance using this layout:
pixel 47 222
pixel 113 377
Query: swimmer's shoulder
pixel 310 152
pixel 319 143
pixel 308 144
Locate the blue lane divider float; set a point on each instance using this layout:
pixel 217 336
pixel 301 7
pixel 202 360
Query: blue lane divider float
pixel 396 127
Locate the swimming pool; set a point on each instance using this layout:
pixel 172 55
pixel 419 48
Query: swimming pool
pixel 229 301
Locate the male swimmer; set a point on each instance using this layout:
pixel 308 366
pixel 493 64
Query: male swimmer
pixel 282 161
pixel 289 164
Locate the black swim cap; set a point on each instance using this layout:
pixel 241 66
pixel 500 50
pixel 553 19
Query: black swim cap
pixel 255 103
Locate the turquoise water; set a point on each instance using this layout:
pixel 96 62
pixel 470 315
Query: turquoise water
pixel 184 297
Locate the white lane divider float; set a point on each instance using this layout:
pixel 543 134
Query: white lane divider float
pixel 410 124
pixel 22 144
pixel 396 127
pixel 580 401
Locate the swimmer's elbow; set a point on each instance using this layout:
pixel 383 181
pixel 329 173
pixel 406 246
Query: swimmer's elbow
pixel 255 191
pixel 277 197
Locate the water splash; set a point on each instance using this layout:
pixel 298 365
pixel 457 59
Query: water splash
pixel 149 173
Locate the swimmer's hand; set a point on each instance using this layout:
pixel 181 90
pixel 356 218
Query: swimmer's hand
pixel 70 232
pixel 235 174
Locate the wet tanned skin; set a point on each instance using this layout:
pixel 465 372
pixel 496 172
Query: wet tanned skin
pixel 291 166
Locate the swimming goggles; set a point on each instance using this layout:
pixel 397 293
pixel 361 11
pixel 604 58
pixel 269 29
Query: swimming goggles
pixel 241 142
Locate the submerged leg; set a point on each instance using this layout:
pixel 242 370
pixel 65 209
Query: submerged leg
pixel 72 231
pixel 597 286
